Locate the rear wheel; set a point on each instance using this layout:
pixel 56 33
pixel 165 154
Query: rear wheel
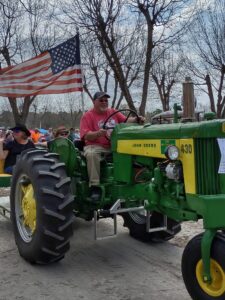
pixel 136 223
pixel 41 207
pixel 192 269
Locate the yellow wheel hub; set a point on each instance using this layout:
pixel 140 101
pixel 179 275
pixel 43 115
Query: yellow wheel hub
pixel 217 287
pixel 29 207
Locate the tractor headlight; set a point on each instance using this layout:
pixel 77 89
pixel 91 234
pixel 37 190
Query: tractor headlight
pixel 172 152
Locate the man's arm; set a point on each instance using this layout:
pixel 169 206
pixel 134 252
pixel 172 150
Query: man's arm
pixel 136 119
pixel 87 131
pixel 93 135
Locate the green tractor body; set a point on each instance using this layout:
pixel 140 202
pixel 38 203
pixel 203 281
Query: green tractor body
pixel 157 177
pixel 139 172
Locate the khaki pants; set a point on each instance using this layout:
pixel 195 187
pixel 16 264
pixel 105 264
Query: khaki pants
pixel 94 157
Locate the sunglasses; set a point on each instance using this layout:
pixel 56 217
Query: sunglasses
pixel 103 100
pixel 64 133
pixel 16 130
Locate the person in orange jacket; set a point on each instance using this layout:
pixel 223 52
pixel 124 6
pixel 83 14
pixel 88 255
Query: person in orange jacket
pixel 35 135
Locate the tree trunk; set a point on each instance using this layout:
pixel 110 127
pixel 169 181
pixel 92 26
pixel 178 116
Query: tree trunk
pixel 21 117
pixel 119 101
pixel 107 44
pixel 148 62
pixel 220 102
pixel 210 93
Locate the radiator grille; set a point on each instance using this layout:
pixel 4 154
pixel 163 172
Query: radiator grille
pixel 207 158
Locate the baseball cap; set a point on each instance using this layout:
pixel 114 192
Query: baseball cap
pixel 21 127
pixel 99 95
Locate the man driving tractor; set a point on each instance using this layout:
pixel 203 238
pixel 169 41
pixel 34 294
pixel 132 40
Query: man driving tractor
pixel 96 137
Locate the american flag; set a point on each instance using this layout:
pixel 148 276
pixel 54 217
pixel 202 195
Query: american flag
pixel 55 71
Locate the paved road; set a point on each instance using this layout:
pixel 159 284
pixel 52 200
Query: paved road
pixel 119 268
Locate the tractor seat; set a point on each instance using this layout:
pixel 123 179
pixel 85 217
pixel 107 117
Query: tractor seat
pixel 79 144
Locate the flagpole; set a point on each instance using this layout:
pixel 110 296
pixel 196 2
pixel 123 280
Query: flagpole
pixel 82 93
pixel 82 102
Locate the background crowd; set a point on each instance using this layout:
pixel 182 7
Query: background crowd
pixel 19 138
pixel 44 135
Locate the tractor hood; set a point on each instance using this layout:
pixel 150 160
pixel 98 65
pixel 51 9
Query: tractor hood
pixel 205 129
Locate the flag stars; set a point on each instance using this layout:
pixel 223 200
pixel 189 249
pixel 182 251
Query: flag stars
pixel 63 56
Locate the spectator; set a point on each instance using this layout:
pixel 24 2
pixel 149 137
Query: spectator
pixel 62 132
pixel 35 136
pixel 77 135
pixel 50 133
pixel 11 149
pixel 71 135
pixel 47 137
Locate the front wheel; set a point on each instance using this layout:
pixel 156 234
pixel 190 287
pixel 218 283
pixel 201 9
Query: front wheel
pixel 192 269
pixel 136 223
pixel 41 207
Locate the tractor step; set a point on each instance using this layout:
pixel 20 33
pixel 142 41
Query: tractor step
pixel 164 226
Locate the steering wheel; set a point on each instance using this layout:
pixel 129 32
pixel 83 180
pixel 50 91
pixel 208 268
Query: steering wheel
pixel 116 112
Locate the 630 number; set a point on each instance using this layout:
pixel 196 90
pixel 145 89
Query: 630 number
pixel 186 148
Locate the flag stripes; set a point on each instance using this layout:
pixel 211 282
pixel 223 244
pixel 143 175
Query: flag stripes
pixel 36 76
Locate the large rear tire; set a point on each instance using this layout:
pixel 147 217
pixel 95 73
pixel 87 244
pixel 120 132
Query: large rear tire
pixel 136 223
pixel 192 269
pixel 41 207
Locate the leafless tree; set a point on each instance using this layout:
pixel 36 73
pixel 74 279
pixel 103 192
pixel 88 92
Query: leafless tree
pixel 208 43
pixel 107 22
pixel 69 111
pixel 160 19
pixel 23 34
pixel 97 66
pixel 128 32
pixel 103 75
pixel 165 72
pixel 10 30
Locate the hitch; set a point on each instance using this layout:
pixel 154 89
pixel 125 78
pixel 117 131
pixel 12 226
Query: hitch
pixel 113 211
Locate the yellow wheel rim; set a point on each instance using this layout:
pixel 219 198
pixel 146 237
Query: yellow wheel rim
pixel 217 287
pixel 28 205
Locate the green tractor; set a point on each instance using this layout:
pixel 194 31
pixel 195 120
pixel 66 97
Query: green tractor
pixel 157 177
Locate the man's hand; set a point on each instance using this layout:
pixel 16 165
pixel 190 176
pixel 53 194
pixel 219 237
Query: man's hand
pixel 2 137
pixel 101 132
pixel 139 120
pixel 93 135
